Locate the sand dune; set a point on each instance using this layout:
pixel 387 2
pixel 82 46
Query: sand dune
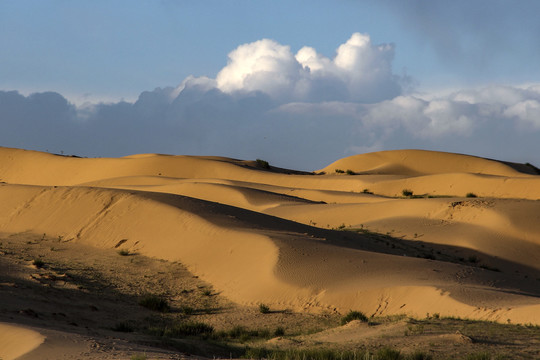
pixel 16 341
pixel 280 237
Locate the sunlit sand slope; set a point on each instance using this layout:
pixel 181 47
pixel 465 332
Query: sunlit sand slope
pixel 327 242
pixel 16 341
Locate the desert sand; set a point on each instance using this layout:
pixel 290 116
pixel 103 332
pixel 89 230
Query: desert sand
pixel 464 243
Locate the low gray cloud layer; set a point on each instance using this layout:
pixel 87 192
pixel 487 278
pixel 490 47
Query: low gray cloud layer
pixel 295 110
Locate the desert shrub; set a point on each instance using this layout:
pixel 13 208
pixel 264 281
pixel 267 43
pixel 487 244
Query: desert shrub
pixel 244 334
pixel 187 310
pixel 264 309
pixel 407 192
pixel 237 332
pixel 207 292
pixel 350 172
pixel 280 331
pixel 123 252
pixel 353 315
pixel 262 164
pixel 38 263
pixel 188 329
pixel 154 302
pixel 339 171
pixel 388 354
pixel 366 191
pixel 471 195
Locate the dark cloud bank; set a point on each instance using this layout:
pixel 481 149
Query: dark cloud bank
pixel 298 110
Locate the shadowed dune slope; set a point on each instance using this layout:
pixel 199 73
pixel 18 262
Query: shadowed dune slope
pixel 264 236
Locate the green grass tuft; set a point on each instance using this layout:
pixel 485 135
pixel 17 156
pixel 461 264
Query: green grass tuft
pixel 154 302
pixel 354 315
pixel 188 329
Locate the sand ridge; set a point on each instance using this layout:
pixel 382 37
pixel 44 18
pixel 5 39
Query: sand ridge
pixel 307 242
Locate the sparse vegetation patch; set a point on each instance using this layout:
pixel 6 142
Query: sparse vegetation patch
pixel 38 263
pixel 262 164
pixel 407 192
pixel 354 315
pixel 188 329
pixel 123 252
pixel 264 309
pixel 154 302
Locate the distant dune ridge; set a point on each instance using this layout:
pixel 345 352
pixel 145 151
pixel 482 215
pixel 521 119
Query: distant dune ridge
pixel 467 245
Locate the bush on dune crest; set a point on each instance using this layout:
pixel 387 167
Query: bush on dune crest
pixel 262 164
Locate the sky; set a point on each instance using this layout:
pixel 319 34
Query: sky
pixel 297 83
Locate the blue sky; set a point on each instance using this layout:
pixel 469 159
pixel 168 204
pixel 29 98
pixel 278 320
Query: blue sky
pixel 453 76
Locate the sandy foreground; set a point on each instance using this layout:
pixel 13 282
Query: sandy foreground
pixel 344 237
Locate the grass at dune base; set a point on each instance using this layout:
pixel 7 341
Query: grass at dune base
pixel 250 344
pixel 330 354
pixel 176 326
pixel 194 331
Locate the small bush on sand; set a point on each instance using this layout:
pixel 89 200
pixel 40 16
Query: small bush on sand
pixel 280 331
pixel 339 171
pixel 262 164
pixel 388 354
pixel 188 329
pixel 38 263
pixel 407 192
pixel 154 302
pixel 353 315
pixel 350 172
pixel 471 195
pixel 123 252
pixel 264 309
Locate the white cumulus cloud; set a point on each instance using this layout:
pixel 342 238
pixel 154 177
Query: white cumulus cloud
pixel 360 71
pixel 300 110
